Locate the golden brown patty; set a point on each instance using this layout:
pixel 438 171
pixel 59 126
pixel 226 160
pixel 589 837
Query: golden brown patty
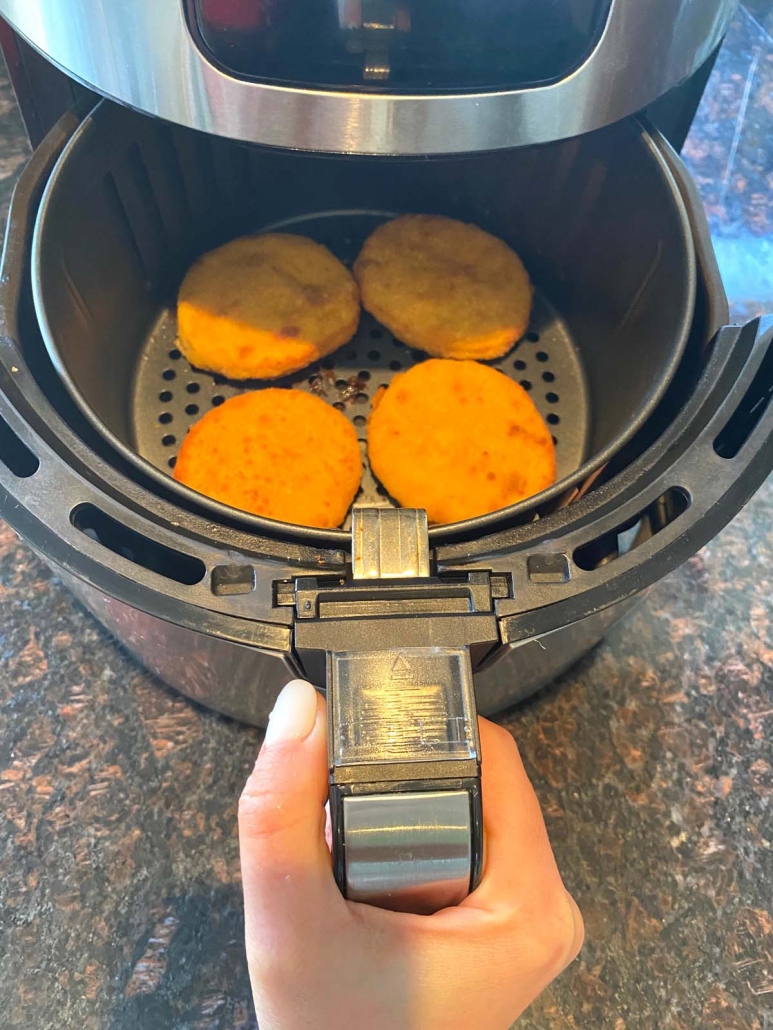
pixel 280 453
pixel 264 306
pixel 445 287
pixel 459 439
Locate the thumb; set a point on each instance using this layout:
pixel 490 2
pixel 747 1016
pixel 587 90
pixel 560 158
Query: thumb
pixel 285 861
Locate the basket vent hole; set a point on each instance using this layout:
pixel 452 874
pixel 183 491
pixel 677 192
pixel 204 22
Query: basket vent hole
pixel 193 387
pixel 135 547
pixel 165 396
pixel 374 355
pixel 395 365
pixel 341 384
pixel 328 365
pixel 548 377
pixel 359 420
pixel 169 440
pixel 165 418
pixel 219 380
pixel 553 419
pixel 172 462
pixel 217 400
pixel 169 374
pixel 526 384
pixel 15 454
pixel 175 354
pixel 364 375
pixel 519 366
pixel 532 337
pixel 340 406
pixel 376 334
pixel 634 532
pixel 542 356
pixel 552 398
pixel 746 417
pixel 192 409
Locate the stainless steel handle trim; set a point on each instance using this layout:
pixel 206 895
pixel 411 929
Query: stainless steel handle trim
pixel 142 54
pixel 408 851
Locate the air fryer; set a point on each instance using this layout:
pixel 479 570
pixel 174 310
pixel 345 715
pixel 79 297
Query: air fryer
pixel 659 410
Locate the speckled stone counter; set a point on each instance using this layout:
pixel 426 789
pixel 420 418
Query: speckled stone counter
pixel 120 903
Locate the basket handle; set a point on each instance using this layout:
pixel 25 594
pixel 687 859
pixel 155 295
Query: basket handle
pixel 403 746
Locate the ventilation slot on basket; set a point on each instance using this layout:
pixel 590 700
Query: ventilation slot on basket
pixel 633 533
pixel 747 415
pixel 15 455
pixel 150 554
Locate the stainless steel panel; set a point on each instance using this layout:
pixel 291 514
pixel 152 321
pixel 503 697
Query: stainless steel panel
pixel 142 54
pixel 243 682
pixel 240 681
pixel 408 851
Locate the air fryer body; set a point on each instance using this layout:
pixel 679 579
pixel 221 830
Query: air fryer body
pixel 243 682
pixel 217 611
pixel 395 77
pixel 212 604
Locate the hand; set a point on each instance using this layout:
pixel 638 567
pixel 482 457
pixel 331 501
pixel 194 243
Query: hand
pixel 318 962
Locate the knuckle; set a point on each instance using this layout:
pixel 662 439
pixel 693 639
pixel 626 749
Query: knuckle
pixel 504 738
pixel 559 933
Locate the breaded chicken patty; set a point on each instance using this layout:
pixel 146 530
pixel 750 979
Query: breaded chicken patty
pixel 459 439
pixel 445 287
pixel 283 454
pixel 265 306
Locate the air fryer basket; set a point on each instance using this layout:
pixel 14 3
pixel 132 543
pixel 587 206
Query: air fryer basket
pixel 212 605
pixel 599 223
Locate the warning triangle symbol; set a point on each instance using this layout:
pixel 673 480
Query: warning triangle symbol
pixel 400 667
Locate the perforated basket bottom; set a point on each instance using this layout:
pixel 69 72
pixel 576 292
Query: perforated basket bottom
pixel 169 395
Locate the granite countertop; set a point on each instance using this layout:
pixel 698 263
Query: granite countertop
pixel 120 903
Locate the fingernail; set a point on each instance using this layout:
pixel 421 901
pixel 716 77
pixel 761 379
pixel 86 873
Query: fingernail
pixel 294 714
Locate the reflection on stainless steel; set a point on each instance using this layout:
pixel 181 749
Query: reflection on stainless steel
pixel 243 682
pixel 519 670
pixel 409 852
pixel 142 54
pixel 240 681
